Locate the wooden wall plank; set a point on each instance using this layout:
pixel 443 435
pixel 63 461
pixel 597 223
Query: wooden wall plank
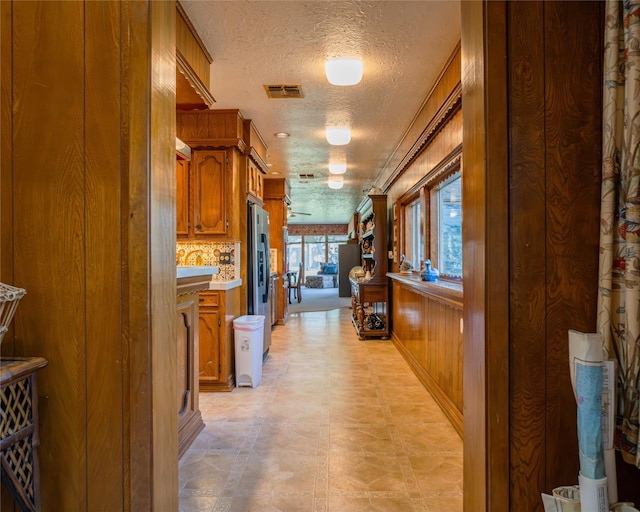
pixel 474 235
pixel 103 183
pixel 6 150
pixel 162 237
pixel 573 119
pixel 527 252
pixel 48 202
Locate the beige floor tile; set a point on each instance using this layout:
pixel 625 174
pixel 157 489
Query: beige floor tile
pixel 356 472
pixel 438 473
pixel 274 503
pixel 365 439
pixel 197 503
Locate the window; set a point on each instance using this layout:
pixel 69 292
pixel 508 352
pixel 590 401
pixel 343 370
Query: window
pixel 413 234
pixel 294 252
pixel 431 224
pixel 313 250
pixel 314 253
pixel 449 227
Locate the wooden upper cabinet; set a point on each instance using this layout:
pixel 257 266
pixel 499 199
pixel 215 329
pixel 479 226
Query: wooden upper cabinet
pixel 193 66
pixel 211 193
pixel 182 198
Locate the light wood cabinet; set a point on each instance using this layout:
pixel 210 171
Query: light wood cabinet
pixel 276 202
pixel 211 194
pixel 182 197
pixel 255 180
pixel 216 366
pixel 203 195
pixel 370 295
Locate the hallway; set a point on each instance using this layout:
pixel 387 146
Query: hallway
pixel 336 424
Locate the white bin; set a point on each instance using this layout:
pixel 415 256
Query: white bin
pixel 248 333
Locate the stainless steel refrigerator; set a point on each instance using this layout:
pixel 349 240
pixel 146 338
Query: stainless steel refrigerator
pixel 258 269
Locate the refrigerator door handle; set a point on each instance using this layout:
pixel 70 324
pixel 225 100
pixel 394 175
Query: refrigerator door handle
pixel 267 274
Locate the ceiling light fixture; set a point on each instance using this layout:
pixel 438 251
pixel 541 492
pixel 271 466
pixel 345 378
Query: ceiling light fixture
pixel 338 136
pixel 281 135
pixel 343 71
pixel 335 182
pixel 337 168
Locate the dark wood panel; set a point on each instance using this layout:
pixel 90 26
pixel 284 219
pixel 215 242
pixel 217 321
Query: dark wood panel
pixel 573 120
pixel 497 239
pixel 527 253
pixel 48 202
pixel 104 362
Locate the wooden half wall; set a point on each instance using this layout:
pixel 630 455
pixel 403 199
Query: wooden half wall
pixel 88 229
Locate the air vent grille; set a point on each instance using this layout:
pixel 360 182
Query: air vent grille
pixel 306 176
pixel 284 91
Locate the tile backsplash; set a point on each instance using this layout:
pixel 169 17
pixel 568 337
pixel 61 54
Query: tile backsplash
pixel 225 255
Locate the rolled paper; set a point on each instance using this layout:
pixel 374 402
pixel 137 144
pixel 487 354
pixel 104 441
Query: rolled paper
pixel 593 494
pixel 610 471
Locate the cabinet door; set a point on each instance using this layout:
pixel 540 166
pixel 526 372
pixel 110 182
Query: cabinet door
pixel 209 357
pixel 182 198
pixel 211 192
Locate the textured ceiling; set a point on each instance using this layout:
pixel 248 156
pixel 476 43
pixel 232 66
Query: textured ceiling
pixel 403 44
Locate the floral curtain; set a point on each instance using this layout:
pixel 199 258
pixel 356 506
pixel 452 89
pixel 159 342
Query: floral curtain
pixel 619 274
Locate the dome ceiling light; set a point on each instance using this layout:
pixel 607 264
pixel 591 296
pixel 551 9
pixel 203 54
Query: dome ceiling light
pixel 281 135
pixel 335 182
pixel 343 71
pixel 337 168
pixel 338 136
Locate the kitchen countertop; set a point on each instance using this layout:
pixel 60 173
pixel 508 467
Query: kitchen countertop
pixel 196 271
pixel 214 284
pixel 225 285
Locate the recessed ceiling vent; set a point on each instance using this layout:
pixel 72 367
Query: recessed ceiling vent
pixel 284 91
pixel 306 176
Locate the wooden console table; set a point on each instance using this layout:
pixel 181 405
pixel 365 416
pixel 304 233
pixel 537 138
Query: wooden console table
pixel 19 438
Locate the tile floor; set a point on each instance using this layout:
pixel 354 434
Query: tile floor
pixel 335 425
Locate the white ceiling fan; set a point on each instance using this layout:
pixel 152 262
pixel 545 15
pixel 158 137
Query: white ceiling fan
pixel 291 213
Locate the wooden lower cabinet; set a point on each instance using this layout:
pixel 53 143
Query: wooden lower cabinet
pixel 187 401
pixel 216 364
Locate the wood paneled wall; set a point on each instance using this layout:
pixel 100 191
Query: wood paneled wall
pixel 531 77
pixel 426 330
pixel 88 209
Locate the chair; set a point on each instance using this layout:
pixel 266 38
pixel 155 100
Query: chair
pixel 294 282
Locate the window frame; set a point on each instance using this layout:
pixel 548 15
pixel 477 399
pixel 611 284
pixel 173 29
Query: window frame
pixel 427 191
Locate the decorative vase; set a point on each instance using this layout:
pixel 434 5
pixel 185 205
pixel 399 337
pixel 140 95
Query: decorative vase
pixel 429 273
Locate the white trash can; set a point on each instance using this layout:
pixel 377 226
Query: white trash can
pixel 248 333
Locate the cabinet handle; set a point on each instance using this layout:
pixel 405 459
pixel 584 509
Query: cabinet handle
pixel 201 299
pixel 198 227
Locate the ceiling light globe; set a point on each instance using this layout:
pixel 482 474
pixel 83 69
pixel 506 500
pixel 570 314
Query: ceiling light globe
pixel 335 182
pixel 337 168
pixel 343 71
pixel 338 136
